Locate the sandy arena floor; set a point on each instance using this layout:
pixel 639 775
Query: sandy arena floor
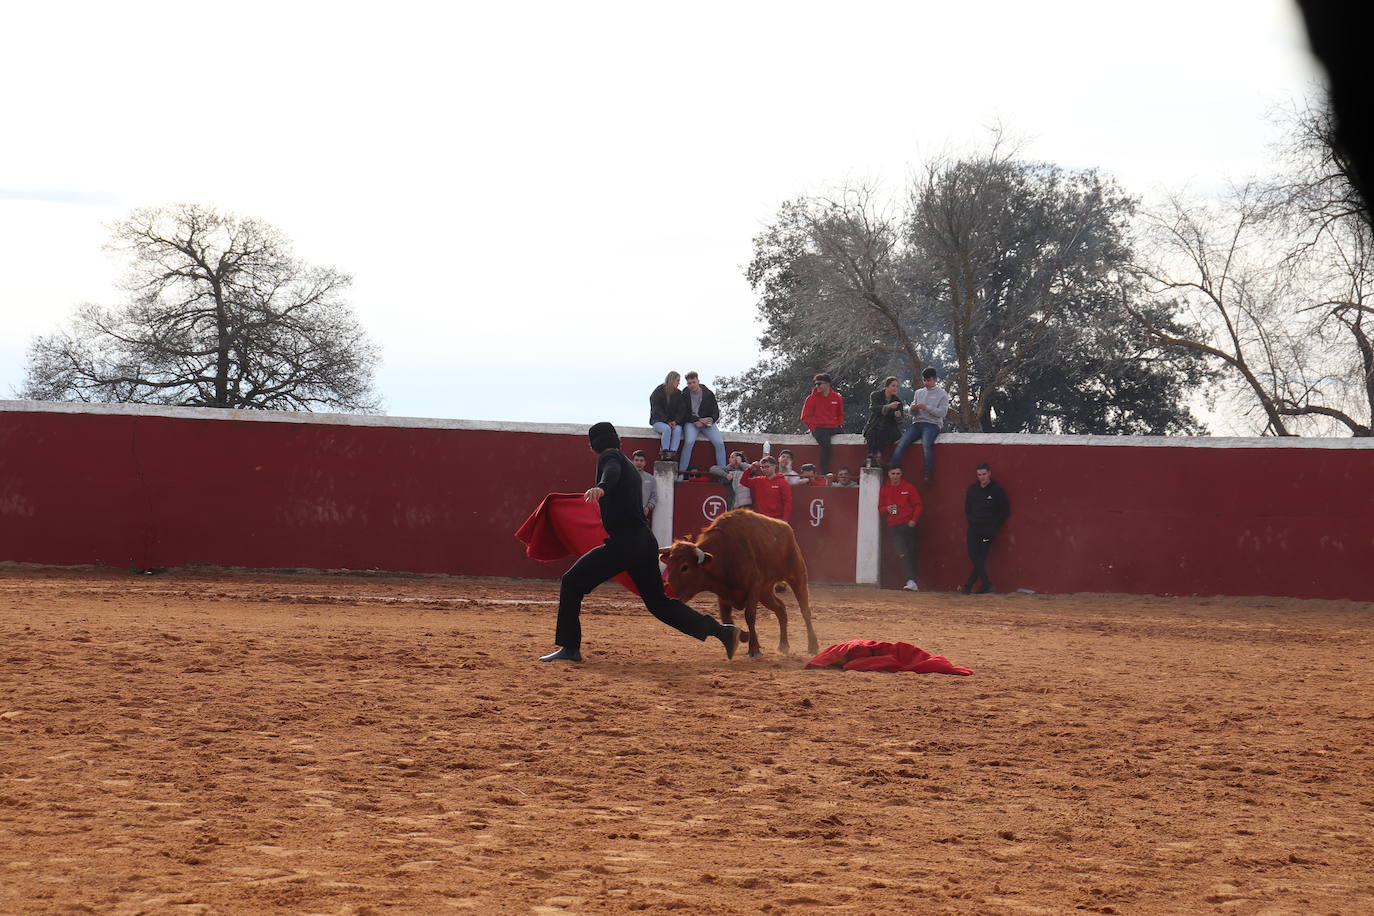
pixel 237 743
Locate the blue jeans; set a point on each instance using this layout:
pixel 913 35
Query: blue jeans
pixel 926 432
pixel 711 432
pixel 672 436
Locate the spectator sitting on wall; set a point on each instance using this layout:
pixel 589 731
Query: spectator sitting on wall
pixel 884 425
pixel 772 494
pixel 844 477
pixel 928 409
pixel 823 414
pixel 700 414
pixel 900 506
pixel 665 416
pixel 639 459
pixel 785 469
pixel 809 477
pixel 737 495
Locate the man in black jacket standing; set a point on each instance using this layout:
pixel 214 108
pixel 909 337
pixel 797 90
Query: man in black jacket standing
pixel 986 507
pixel 629 547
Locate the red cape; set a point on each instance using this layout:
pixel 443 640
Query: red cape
pixel 564 525
pixel 871 655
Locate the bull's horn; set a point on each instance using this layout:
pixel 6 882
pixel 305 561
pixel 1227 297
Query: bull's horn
pixel 701 555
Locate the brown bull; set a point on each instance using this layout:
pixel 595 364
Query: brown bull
pixel 740 557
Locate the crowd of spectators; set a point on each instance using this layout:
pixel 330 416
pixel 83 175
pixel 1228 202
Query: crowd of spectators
pixel 682 416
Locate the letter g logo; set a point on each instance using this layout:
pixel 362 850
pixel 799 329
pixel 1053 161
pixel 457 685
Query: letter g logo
pixel 817 512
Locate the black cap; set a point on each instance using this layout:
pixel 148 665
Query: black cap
pixel 603 436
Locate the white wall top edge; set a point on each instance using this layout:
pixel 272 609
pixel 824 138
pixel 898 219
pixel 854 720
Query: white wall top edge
pixel 644 432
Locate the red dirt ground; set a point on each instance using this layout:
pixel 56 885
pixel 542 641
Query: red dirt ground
pixel 209 742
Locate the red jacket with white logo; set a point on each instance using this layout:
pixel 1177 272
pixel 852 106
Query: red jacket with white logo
pixel 772 495
pixel 899 504
pixel 823 412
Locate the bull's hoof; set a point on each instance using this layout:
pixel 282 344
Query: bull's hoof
pixel 729 636
pixel 758 654
pixel 562 655
pixel 784 649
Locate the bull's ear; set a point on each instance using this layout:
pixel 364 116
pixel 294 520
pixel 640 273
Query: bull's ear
pixel 663 554
pixel 703 558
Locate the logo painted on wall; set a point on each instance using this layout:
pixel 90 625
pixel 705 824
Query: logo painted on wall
pixel 713 506
pixel 817 512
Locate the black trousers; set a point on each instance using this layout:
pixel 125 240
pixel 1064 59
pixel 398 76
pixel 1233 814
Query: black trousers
pixel 903 538
pixel 823 434
pixel 979 543
pixel 636 554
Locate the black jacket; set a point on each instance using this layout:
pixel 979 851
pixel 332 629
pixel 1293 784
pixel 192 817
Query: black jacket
pixel 666 408
pixel 622 502
pixel 883 425
pixel 709 408
pixel 986 508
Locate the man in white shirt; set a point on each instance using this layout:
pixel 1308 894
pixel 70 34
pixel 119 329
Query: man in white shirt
pixel 928 409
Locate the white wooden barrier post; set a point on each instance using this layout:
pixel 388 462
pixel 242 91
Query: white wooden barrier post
pixel 869 545
pixel 665 479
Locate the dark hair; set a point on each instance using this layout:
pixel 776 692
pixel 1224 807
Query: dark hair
pixel 787 452
pixel 639 453
pixel 893 467
pixel 821 377
pixel 929 373
pixel 808 467
pixel 768 459
pixel 888 381
pixel 603 436
pixel 983 467
pixel 737 452
pixel 691 375
pixel 843 467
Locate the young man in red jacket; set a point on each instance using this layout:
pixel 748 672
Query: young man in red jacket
pixel 900 504
pixel 772 494
pixel 823 414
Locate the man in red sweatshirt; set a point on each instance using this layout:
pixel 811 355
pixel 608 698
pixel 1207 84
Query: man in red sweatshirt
pixel 900 504
pixel 823 414
pixel 772 494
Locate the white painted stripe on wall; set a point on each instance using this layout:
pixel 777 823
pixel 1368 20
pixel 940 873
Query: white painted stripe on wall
pixel 644 432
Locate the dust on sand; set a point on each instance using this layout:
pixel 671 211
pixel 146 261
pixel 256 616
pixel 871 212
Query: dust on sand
pixel 203 742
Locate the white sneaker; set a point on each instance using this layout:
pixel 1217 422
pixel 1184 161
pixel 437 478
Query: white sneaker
pixel 911 586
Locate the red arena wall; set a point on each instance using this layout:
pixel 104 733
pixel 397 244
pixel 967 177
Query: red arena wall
pixel 146 488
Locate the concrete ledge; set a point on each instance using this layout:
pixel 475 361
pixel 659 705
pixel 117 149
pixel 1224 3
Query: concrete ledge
pixel 645 432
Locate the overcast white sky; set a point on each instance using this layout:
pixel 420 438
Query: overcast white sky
pixel 546 206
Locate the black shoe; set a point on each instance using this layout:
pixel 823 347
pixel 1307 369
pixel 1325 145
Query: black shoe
pixel 966 590
pixel 987 588
pixel 562 655
pixel 729 635
pixel 930 480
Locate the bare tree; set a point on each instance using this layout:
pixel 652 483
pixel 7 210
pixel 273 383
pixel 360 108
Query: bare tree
pixel 1214 266
pixel 835 263
pixel 1277 283
pixel 219 314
